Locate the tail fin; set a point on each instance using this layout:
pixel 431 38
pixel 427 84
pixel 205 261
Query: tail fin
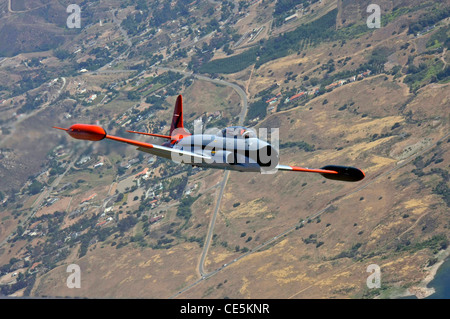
pixel 177 119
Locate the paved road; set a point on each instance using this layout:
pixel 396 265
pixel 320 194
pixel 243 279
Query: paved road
pixel 242 114
pixel 236 87
pixel 201 266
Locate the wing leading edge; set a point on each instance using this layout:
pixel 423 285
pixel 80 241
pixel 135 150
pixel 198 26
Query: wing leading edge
pixel 158 150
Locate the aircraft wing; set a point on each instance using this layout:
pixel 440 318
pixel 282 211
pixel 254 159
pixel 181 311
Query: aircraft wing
pixel 158 150
pixel 97 133
pixel 335 172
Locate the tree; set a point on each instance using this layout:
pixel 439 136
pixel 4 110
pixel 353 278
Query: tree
pixel 35 187
pixel 133 95
pixel 119 197
pixel 62 54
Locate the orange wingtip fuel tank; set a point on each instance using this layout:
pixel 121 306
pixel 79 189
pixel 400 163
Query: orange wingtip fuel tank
pixel 85 132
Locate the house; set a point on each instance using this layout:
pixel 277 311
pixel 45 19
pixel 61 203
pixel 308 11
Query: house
pixel 101 223
pixel 155 219
pixel 143 172
pixel 89 198
pixel 34 266
pixel 332 86
pixel 296 96
pixel 272 100
pixel 295 15
pixel 107 210
pixel 32 226
pixel 313 91
pixel 92 97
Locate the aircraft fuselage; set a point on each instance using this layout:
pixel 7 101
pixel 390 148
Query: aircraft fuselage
pixel 241 154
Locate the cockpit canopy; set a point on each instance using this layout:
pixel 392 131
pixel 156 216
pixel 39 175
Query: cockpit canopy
pixel 237 132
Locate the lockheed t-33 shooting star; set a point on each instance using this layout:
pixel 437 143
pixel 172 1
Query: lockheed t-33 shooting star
pixel 234 148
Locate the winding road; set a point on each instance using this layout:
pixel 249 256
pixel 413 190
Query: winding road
pixel 244 101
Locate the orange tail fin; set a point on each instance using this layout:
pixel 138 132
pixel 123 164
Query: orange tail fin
pixel 177 119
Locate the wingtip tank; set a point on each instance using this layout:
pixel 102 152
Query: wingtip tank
pixel 344 173
pixel 85 132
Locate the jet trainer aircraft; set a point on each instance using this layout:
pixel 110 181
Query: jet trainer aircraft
pixel 234 148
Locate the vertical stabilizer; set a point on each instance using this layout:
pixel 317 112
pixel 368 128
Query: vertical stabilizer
pixel 177 126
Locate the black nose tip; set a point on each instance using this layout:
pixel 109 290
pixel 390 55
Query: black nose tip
pixel 344 173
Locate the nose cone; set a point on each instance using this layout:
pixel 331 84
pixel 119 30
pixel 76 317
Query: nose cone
pixel 87 132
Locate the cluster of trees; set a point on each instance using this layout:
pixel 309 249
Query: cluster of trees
pixel 281 6
pixel 168 77
pixel 204 54
pixel 102 57
pixel 176 186
pixel 435 243
pixel 133 23
pixel 23 281
pixel 167 12
pixel 184 208
pixel 351 253
pixel 444 74
pixel 423 74
pixel 440 38
pixel 126 223
pixel 274 48
pixel 299 144
pixel 29 81
pixel 31 103
pixel 35 187
pixel 256 109
pixel 163 79
pixel 230 65
pixel 441 188
pixel 429 19
pixel 62 54
pixel 284 8
pixel 378 57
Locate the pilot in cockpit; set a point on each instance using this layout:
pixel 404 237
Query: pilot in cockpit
pixel 237 132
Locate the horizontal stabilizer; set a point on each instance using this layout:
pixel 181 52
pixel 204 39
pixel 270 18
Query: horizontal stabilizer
pixel 151 134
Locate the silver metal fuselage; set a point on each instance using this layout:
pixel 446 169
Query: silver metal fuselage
pixel 232 153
